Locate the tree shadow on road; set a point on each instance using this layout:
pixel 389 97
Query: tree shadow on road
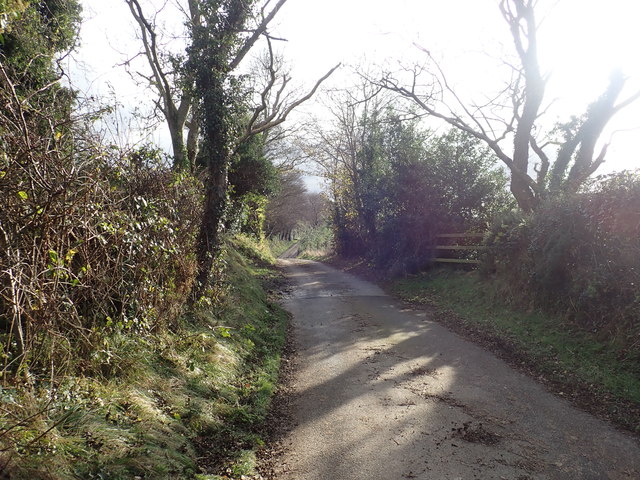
pixel 381 381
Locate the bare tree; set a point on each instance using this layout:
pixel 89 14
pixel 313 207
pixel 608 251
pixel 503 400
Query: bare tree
pixel 515 114
pixel 285 210
pixel 173 84
pixel 282 143
pixel 339 148
pixel 294 206
pixel 317 208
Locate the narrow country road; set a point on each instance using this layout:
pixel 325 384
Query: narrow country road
pixel 381 392
pixel 291 252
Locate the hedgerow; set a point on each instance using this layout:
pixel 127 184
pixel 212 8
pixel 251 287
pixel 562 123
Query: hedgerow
pixel 578 255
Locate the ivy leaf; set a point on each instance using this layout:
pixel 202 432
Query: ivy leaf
pixel 70 254
pixel 53 256
pixel 224 332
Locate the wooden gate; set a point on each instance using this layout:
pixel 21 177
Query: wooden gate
pixel 460 245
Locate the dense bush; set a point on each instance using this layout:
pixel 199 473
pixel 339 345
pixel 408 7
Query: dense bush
pixel 252 178
pixel 579 255
pixel 404 185
pixel 96 242
pixel 90 245
pixel 92 241
pixel 450 185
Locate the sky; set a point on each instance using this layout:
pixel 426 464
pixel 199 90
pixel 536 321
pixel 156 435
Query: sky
pixel 581 41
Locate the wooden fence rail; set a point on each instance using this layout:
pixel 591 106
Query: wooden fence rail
pixel 458 237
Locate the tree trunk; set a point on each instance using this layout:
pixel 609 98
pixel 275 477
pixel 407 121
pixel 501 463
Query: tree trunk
pixel 180 159
pixel 523 194
pixel 193 145
pixel 215 204
pixel 216 113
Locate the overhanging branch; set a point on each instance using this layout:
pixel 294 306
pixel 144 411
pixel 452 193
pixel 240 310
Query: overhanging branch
pixel 259 127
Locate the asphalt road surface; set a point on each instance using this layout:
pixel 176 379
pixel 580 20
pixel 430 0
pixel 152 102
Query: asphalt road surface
pixel 380 391
pixel 291 252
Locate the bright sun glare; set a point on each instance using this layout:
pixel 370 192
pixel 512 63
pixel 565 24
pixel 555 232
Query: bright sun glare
pixel 581 42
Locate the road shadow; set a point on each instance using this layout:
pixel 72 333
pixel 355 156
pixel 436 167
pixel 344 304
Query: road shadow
pixel 379 380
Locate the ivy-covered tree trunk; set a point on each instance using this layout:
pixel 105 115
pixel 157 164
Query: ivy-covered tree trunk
pixel 220 41
pixel 211 56
pixel 217 150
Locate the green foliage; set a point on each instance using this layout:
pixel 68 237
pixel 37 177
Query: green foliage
pixel 33 38
pixel 252 177
pixel 254 215
pixel 450 184
pixel 197 391
pixel 257 250
pixel 9 11
pixel 251 171
pixel 358 182
pixel 316 241
pixel 579 255
pixel 40 28
pixel 410 185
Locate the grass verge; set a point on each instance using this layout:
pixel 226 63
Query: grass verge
pixel 571 362
pixel 182 404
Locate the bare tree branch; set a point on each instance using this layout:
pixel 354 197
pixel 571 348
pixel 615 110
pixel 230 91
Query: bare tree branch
pixel 523 97
pixel 249 42
pixel 273 121
pixel 176 111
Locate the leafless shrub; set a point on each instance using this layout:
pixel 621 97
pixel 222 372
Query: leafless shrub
pixel 93 241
